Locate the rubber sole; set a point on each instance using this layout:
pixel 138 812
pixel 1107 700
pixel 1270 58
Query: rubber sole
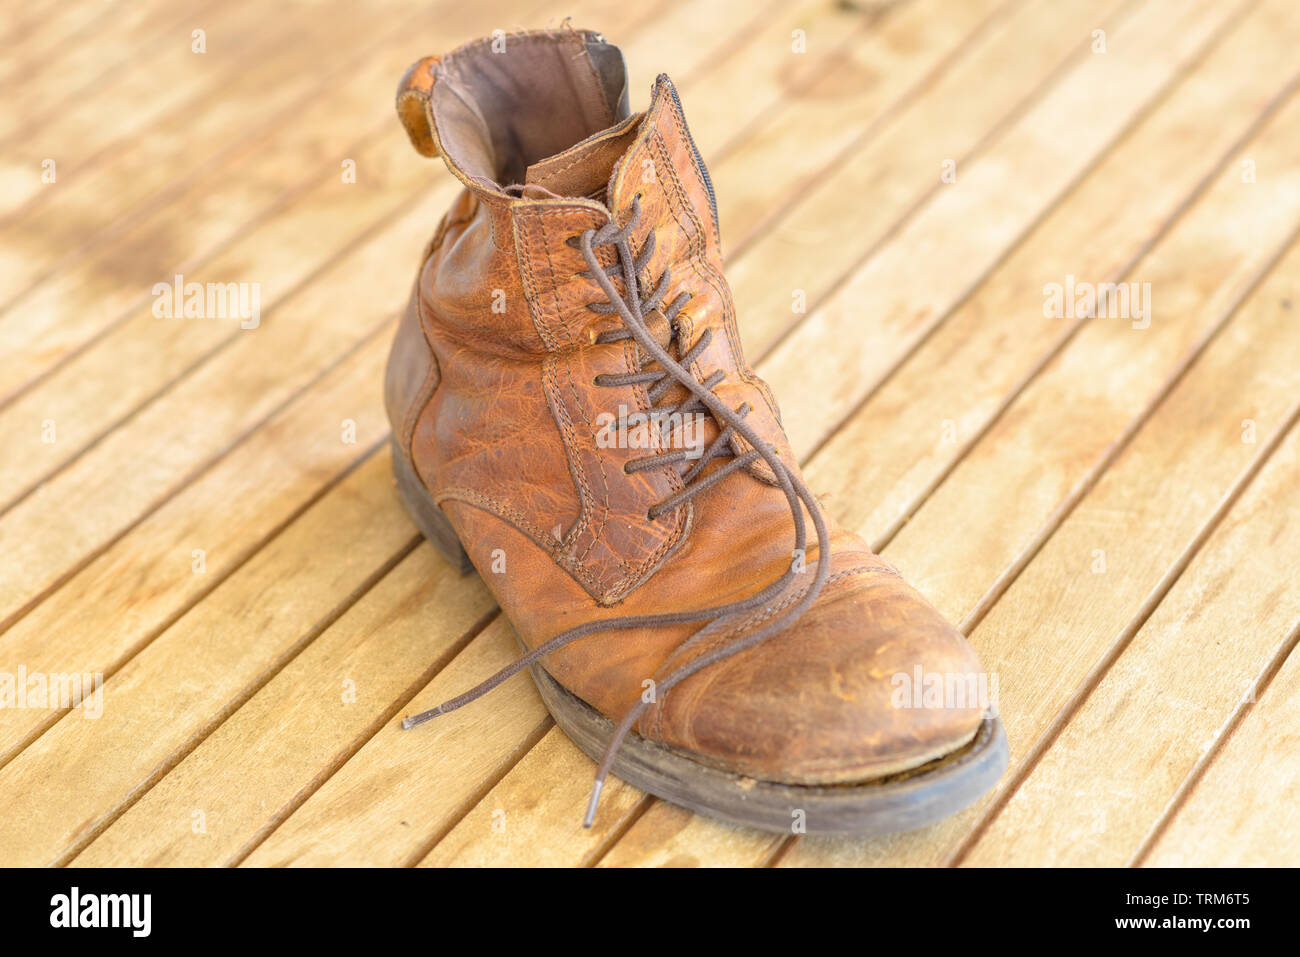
pixel 885 805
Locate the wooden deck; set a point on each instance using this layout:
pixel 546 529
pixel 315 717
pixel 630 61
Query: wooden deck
pixel 204 514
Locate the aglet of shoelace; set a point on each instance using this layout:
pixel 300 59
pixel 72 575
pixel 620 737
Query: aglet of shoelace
pixel 590 818
pixel 411 721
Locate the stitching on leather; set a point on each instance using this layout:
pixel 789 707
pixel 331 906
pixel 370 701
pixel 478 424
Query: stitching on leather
pixel 634 576
pixel 580 158
pixel 561 418
pixel 684 137
pixel 550 382
pixel 502 509
pixel 631 574
pixel 528 223
pixel 567 355
pixel 679 204
pixel 755 621
pixel 494 211
pixel 704 270
pixel 597 589
pixel 524 260
pixel 554 290
pixel 728 306
pixel 427 386
pixel 651 564
pixel 767 614
pixel 511 517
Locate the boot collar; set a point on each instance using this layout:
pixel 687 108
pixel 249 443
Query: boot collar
pixel 499 104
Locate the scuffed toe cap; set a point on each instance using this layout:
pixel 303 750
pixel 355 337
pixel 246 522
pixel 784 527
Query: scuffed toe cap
pixel 870 681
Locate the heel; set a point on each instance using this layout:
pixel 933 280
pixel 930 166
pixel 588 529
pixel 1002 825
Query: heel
pixel 428 517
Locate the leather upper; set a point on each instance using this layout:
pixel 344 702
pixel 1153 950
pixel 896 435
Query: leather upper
pixel 492 395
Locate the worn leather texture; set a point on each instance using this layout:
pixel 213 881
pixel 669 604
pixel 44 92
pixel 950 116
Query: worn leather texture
pixel 493 399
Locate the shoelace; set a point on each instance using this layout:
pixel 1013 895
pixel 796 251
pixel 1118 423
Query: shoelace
pixel 631 309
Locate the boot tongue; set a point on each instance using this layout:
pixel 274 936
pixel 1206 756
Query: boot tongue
pixel 661 136
pixel 583 170
pixel 661 127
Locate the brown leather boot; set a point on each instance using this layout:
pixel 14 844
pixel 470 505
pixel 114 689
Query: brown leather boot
pixel 572 414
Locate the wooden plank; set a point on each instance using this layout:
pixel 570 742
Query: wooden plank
pixel 383 806
pixel 854 207
pixel 808 132
pixel 66 218
pixel 1109 773
pixel 309 718
pixel 1245 811
pixel 86 399
pixel 656 46
pixel 150 88
pixel 757 68
pixel 34 33
pixel 27 21
pixel 533 816
pixel 645 836
pixel 924 418
pixel 86 506
pixel 671 836
pixel 937 259
pixel 1056 440
pixel 71 782
pixel 78 46
pixel 149 578
pixel 50 239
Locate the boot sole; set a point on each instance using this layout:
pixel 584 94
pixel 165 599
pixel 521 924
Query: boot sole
pixel 885 805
